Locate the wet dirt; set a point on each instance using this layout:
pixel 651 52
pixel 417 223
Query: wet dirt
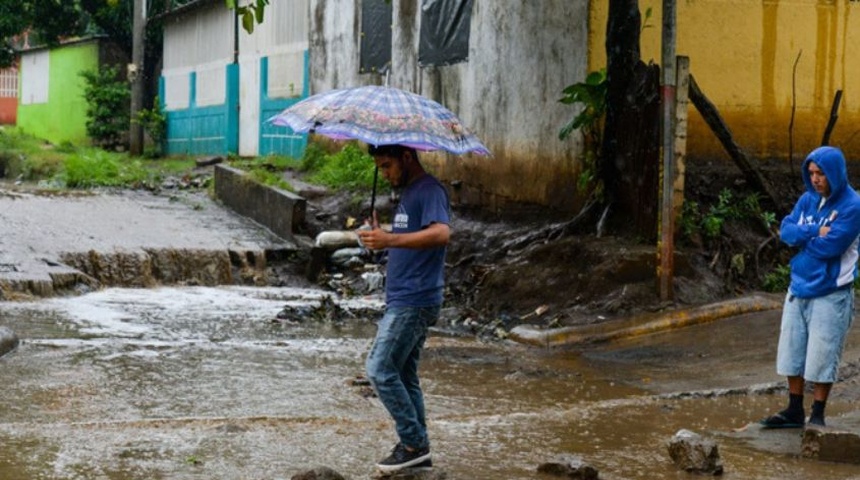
pixel 582 278
pixel 208 382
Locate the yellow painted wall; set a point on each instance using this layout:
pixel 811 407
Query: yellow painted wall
pixel 743 55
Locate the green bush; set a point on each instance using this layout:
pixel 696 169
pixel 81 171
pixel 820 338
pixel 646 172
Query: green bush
pixel 777 280
pixel 313 159
pixel 710 224
pixel 589 97
pixel 350 169
pixel 107 96
pixel 154 123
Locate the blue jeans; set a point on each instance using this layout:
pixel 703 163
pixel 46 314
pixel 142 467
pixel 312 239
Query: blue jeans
pixel 812 335
pixel 392 368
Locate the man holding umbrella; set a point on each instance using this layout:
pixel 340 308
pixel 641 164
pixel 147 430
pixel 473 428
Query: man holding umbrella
pixel 396 123
pixel 413 295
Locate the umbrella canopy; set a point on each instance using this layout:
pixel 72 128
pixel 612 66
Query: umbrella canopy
pixel 381 116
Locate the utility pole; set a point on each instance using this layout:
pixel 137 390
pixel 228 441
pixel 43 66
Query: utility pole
pixel 135 75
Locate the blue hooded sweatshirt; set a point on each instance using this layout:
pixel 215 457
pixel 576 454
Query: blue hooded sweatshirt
pixel 824 263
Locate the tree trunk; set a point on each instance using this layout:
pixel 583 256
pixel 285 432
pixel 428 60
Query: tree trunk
pixel 630 154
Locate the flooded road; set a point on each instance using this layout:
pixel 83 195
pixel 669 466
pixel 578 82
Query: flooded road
pixel 205 383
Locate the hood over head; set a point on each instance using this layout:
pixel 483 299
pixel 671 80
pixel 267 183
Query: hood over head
pixel 831 161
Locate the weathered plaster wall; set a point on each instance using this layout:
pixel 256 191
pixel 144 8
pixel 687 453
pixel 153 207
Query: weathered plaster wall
pixel 63 118
pixel 743 55
pixel 334 45
pixel 521 56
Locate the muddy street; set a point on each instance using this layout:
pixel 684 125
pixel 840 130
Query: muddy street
pixel 201 382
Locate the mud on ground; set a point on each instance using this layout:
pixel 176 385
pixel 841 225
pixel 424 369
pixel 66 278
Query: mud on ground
pixel 582 278
pixel 578 278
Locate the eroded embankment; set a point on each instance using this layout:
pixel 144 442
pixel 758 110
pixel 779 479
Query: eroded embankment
pixel 57 244
pixel 78 272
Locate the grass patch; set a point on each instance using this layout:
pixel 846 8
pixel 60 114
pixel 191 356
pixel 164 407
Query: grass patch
pixel 30 159
pixel 267 170
pixel 88 168
pixel 68 166
pixel 350 169
pixel 169 165
pixel 27 157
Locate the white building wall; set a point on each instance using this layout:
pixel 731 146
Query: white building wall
pixel 200 41
pixel 283 37
pixel 334 49
pixel 35 70
pixel 521 56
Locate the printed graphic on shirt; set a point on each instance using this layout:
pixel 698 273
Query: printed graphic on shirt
pixel 401 220
pixel 823 221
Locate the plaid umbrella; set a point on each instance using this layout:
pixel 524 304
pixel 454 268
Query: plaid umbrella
pixel 381 116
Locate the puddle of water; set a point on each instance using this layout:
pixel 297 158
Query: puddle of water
pixel 202 383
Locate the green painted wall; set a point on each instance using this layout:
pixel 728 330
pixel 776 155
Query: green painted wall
pixel 64 117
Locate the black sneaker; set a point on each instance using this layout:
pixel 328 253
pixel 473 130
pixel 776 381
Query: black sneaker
pixel 401 458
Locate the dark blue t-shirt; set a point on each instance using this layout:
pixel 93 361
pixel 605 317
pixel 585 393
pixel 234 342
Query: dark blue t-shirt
pixel 415 277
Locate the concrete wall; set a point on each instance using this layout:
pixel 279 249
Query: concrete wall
pixel 208 129
pixel 743 55
pixel 281 212
pixel 62 117
pixel 216 103
pixel 273 71
pixel 521 56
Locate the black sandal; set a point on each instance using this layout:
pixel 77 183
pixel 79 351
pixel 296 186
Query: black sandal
pixel 780 420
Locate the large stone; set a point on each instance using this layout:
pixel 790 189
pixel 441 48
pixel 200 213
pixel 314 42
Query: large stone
pixel 831 445
pixel 336 239
pixel 413 474
pixel 694 453
pixel 319 473
pixel 8 341
pixel 569 466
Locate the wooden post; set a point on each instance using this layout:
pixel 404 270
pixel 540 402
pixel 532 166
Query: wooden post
pixel 682 101
pixel 666 251
pixel 834 114
pixel 136 77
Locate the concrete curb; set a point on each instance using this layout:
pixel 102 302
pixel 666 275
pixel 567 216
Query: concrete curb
pixel 280 211
pixel 8 341
pixel 642 324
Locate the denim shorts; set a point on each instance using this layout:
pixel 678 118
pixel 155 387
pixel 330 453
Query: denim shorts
pixel 812 335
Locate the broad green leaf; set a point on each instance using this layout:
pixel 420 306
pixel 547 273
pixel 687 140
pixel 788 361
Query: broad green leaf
pixel 248 21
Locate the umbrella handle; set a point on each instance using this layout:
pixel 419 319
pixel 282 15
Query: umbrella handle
pixel 373 194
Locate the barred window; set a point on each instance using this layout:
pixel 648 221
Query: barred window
pixel 9 83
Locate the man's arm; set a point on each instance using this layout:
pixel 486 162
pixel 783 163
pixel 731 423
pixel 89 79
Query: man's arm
pixel 435 235
pixel 837 238
pixel 791 232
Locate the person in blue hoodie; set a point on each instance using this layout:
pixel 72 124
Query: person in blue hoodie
pixel 824 226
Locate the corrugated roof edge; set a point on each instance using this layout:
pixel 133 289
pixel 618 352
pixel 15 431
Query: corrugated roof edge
pixel 62 43
pixel 189 6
